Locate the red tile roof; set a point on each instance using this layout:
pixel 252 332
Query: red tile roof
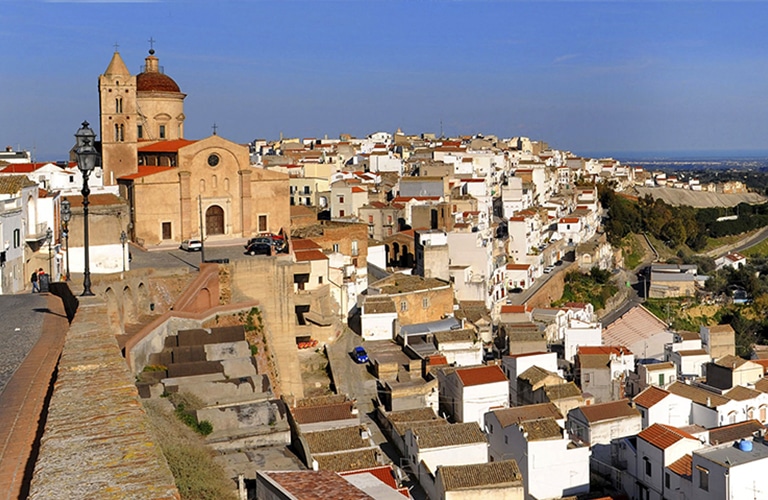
pixel 481 375
pixel 316 485
pixel 650 396
pixel 663 436
pixel 513 309
pixel 683 466
pixel 307 255
pixel 144 171
pixel 518 267
pixel 166 146
pixel 385 474
pixel 608 411
pixel 356 189
pixel 304 244
pixel 569 220
pixel 605 350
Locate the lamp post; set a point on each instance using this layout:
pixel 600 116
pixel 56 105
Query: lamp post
pixel 123 239
pixel 86 162
pixel 49 240
pixel 66 216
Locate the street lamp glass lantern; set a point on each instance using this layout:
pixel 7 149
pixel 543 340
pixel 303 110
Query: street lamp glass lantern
pixel 123 237
pixel 85 135
pixel 49 235
pixel 66 211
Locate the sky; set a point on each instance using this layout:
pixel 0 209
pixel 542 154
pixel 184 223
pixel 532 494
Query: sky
pixel 610 76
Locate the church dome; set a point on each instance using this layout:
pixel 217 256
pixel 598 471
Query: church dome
pixel 152 79
pixel 158 82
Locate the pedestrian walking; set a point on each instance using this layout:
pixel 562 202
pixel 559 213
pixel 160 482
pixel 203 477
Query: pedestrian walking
pixel 35 282
pixel 44 280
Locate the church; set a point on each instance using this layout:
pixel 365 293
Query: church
pixel 178 188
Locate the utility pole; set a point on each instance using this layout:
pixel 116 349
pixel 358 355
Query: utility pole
pixel 202 237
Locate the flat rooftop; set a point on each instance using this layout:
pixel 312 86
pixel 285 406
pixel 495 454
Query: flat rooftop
pixel 731 456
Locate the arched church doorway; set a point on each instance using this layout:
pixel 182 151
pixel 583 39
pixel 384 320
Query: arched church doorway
pixel 214 220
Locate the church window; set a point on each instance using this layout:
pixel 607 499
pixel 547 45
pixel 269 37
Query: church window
pixel 119 133
pixel 119 105
pixel 214 182
pixel 262 223
pixel 140 131
pixel 162 131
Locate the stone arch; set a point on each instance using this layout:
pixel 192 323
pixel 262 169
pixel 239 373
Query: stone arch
pixel 114 311
pixel 214 220
pixel 142 299
pixel 130 311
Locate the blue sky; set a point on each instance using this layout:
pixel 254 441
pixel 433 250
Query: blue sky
pixel 584 76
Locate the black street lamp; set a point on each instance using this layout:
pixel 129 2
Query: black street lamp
pixel 66 216
pixel 123 239
pixel 49 240
pixel 86 162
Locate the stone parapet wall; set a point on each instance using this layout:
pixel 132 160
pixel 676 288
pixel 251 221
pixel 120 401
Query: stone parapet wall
pixel 97 441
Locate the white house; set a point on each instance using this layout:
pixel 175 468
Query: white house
pixel 466 394
pixel 658 406
pixel 378 317
pixel 552 467
pixel 732 471
pixel 734 260
pixel 580 333
pixel 515 364
pixel 658 447
pixel 596 425
pixel 431 446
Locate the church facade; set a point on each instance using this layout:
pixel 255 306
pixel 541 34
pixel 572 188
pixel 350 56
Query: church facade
pixel 178 188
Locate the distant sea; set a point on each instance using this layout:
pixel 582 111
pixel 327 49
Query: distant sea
pixel 688 160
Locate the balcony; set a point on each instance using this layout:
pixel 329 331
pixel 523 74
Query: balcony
pixel 37 233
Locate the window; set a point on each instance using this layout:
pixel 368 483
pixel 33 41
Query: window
pixel 262 223
pixel 162 131
pixel 341 213
pixel 354 247
pixel 306 189
pixel 119 133
pixel 389 219
pixel 341 199
pixel 425 302
pixel 370 219
pixel 661 379
pixel 167 234
pixel 319 280
pixel 335 247
pixel 16 238
pixel 762 414
pixel 703 478
pixel 403 305
pixel 586 378
pixel 666 479
pixel 647 466
pixel 140 131
pixel 119 105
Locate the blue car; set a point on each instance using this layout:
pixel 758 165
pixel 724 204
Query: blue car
pixel 360 355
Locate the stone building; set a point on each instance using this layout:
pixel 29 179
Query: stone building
pixel 179 188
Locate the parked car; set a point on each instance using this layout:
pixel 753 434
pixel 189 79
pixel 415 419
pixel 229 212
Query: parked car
pixel 278 242
pixel 191 245
pixel 559 263
pixel 259 248
pixel 517 289
pixel 360 355
pixel 549 269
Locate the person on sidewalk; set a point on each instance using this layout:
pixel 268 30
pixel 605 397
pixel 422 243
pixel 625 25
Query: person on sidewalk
pixel 44 281
pixel 34 280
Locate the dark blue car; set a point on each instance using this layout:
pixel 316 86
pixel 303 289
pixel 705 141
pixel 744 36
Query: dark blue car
pixel 360 355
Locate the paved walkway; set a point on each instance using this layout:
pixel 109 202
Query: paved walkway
pixel 23 401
